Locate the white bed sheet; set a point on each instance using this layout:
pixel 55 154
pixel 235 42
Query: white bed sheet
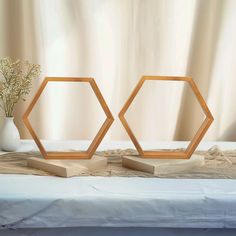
pixel 36 201
pixel 51 202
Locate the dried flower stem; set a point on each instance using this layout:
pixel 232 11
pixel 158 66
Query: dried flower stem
pixel 15 82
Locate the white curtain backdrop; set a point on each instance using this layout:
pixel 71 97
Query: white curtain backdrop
pixel 116 42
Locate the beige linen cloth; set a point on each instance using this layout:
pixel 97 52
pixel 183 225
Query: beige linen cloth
pixel 218 164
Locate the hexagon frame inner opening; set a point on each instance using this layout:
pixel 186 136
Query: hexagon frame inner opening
pixel 97 139
pixel 197 137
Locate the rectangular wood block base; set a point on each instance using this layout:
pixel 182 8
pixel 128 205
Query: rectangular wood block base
pixel 68 168
pixel 162 166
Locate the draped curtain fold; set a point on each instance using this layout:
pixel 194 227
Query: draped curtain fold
pixel 118 41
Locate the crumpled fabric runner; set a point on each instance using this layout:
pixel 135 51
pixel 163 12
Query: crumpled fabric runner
pixel 218 165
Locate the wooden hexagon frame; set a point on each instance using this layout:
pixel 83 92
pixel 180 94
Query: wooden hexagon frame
pixel 197 137
pixel 99 136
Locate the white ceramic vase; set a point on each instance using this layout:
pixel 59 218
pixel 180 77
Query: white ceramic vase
pixel 9 135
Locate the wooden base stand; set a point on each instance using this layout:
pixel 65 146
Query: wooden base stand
pixel 68 168
pixel 162 166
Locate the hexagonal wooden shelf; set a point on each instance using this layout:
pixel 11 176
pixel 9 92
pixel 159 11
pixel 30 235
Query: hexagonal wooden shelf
pixel 98 138
pixel 197 137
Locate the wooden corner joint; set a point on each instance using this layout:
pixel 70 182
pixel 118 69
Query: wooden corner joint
pixel 97 139
pixel 197 137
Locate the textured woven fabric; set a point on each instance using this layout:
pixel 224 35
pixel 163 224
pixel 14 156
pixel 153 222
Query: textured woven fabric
pixel 218 164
